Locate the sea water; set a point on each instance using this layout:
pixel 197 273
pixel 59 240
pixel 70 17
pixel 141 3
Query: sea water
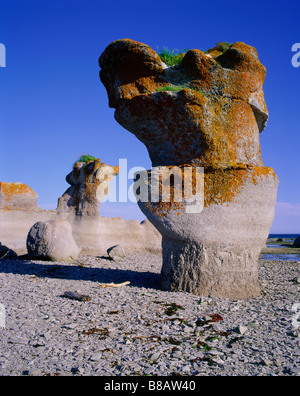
pixel 282 257
pixel 284 236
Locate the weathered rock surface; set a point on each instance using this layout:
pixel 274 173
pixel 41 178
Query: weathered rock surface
pixel 15 225
pixel 89 185
pixel 18 212
pixel 215 251
pixel 3 250
pixel 211 120
pixel 297 242
pixel 52 240
pixel 116 253
pixel 79 205
pixel 17 196
pixel 205 112
pixel 94 235
pixel 6 252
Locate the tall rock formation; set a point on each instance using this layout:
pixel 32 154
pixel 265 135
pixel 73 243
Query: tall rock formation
pixel 206 112
pixel 89 185
pixel 80 204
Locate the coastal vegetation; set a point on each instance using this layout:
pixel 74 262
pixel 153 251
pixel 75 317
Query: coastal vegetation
pixel 177 88
pixel 172 57
pixel 85 158
pixel 223 46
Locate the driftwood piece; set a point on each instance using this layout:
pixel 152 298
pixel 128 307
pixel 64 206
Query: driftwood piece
pixel 76 296
pixel 105 285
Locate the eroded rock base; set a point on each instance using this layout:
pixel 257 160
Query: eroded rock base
pixel 230 272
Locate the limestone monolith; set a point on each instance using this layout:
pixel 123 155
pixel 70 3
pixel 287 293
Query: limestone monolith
pixel 204 113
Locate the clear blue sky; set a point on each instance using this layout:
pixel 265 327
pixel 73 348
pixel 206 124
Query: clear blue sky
pixel 53 106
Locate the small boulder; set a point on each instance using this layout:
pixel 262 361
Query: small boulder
pixel 297 242
pixel 240 329
pixel 6 252
pixel 116 253
pixel 52 240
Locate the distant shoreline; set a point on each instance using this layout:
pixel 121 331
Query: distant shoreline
pixel 283 236
pixel 280 247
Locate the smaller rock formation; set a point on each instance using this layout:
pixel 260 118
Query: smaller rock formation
pixel 89 185
pixel 18 212
pixel 79 205
pixel 17 196
pixel 52 240
pixel 6 252
pixel 297 242
pixel 116 253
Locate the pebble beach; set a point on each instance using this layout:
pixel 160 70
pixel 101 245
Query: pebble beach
pixel 138 329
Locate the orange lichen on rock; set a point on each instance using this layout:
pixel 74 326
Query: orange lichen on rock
pixel 10 190
pixel 213 120
pixel 223 186
pixel 86 171
pixel 212 114
pixel 220 187
pixel 17 196
pixel 129 66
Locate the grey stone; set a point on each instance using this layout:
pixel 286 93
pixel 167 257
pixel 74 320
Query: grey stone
pixel 52 240
pixel 240 329
pixel 116 253
pixel 96 356
pixel 6 252
pixel 149 370
pixel 70 326
pixel 154 357
pixel 266 362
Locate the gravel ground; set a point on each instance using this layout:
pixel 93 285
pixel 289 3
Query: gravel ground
pixel 140 330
